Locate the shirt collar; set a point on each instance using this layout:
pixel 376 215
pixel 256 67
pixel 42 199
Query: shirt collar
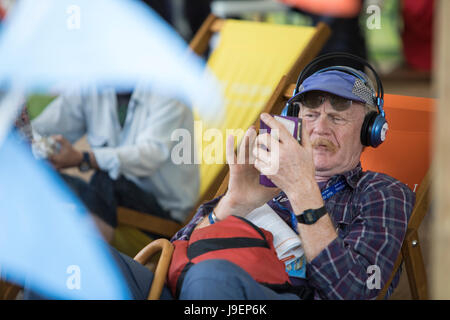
pixel 351 177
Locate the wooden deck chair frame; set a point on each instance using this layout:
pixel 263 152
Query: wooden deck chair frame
pixel 199 45
pixel 8 291
pixel 411 253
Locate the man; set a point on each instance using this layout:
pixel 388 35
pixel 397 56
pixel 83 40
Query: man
pixel 130 139
pixel 365 222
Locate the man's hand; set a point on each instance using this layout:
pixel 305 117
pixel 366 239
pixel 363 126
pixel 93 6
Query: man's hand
pixel 244 192
pixel 296 177
pixel 294 165
pixel 67 156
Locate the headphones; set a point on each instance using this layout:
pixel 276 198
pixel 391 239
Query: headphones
pixel 374 128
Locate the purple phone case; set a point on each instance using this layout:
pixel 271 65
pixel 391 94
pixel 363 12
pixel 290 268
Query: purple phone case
pixel 264 180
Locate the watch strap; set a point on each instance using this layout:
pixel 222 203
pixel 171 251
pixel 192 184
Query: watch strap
pixel 310 216
pixel 85 162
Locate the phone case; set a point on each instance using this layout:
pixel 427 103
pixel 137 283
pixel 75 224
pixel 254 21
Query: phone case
pixel 293 125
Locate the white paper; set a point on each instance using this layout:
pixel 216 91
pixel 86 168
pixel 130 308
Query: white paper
pixel 286 242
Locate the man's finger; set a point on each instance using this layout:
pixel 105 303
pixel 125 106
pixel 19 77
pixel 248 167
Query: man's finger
pixel 262 155
pixel 264 141
pixel 58 138
pixel 251 143
pixel 283 133
pixel 264 168
pixel 230 155
pixel 243 156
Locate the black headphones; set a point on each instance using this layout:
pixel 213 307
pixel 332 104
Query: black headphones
pixel 374 128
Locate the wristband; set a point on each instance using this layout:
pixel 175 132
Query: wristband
pixel 212 217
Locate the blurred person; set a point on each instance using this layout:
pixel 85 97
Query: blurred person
pixel 342 16
pixel 417 34
pixel 129 134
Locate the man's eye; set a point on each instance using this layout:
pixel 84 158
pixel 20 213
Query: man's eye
pixel 309 116
pixel 338 120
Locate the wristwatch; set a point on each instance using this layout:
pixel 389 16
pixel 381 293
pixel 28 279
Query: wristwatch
pixel 310 216
pixel 85 164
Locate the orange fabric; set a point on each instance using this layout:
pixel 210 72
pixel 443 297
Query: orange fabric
pixel 334 8
pixel 406 153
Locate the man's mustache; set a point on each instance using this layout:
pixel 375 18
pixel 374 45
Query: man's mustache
pixel 330 146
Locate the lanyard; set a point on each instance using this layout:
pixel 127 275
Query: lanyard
pixel 326 194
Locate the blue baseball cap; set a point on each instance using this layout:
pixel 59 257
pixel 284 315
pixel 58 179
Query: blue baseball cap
pixel 356 88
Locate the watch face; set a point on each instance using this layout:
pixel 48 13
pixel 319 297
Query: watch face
pixel 84 167
pixel 309 217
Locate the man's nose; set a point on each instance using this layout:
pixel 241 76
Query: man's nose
pixel 322 125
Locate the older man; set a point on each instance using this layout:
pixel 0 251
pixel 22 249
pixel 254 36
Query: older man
pixel 359 226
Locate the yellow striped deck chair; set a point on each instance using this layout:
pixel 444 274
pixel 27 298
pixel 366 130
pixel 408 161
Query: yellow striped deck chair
pixel 254 62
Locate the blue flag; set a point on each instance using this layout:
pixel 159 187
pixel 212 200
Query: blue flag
pixel 50 44
pixel 47 238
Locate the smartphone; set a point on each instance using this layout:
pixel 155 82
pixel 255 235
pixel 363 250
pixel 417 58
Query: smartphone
pixel 293 125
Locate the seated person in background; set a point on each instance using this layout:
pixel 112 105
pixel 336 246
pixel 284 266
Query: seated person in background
pixel 130 139
pixel 343 17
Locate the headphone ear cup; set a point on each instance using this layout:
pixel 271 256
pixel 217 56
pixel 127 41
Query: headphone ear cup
pixel 378 131
pixel 366 128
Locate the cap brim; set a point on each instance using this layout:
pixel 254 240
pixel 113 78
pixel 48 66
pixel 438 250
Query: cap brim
pixel 339 93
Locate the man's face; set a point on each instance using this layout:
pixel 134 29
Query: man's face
pixel 335 136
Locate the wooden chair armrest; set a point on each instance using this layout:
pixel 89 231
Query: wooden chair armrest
pixel 147 222
pixel 8 291
pixel 166 248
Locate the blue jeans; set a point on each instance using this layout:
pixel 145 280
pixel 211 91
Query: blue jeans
pixel 102 195
pixel 223 280
pixel 207 280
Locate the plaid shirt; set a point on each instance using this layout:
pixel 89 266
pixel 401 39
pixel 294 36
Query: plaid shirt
pixel 371 216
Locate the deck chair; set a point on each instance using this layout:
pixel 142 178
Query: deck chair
pixel 406 156
pixel 254 62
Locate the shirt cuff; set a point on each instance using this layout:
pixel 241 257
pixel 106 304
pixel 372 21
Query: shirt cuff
pixel 322 270
pixel 108 160
pixel 202 211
